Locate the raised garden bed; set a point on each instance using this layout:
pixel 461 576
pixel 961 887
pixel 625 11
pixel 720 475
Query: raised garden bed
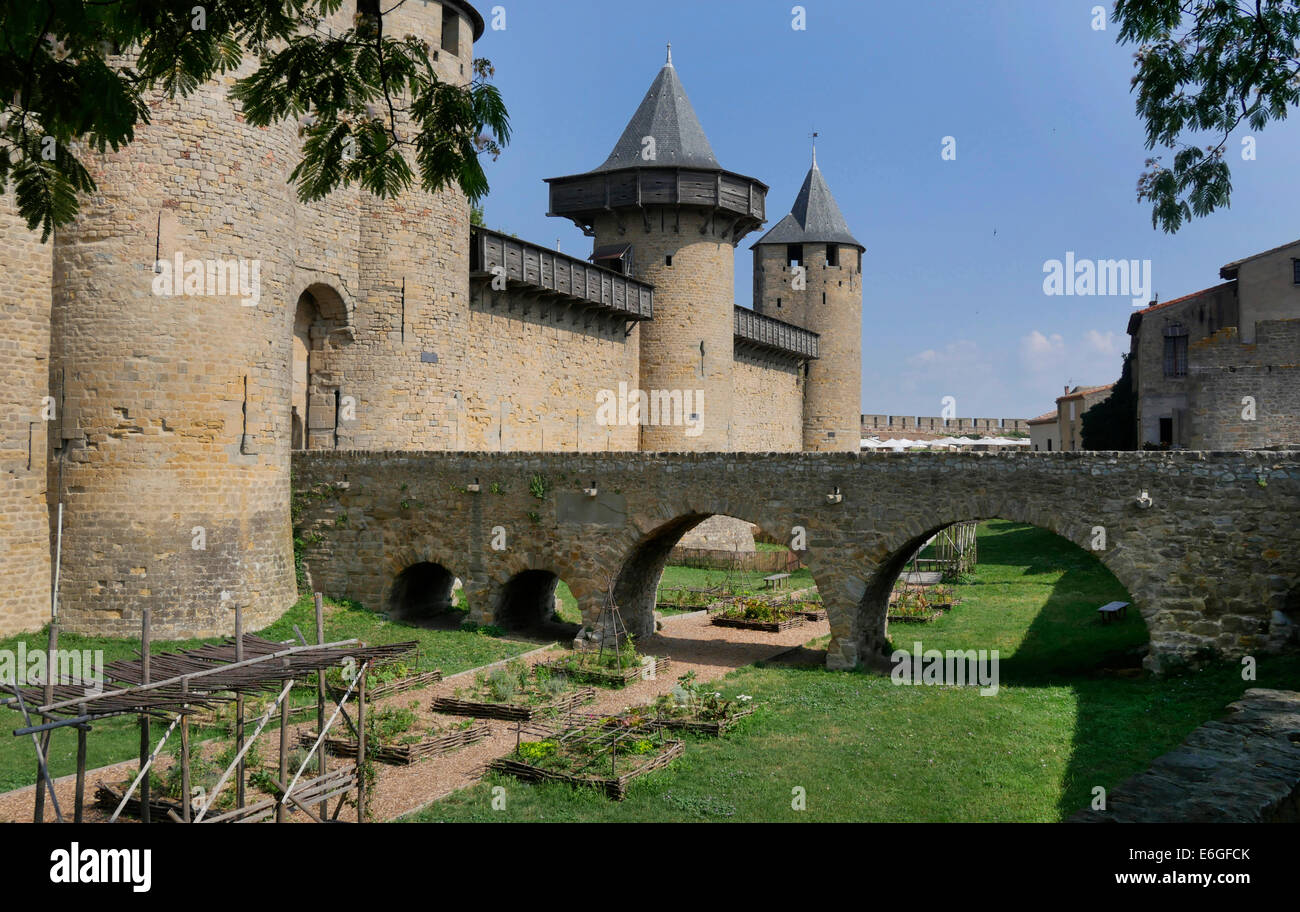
pixel 581 668
pixel 381 689
pixel 514 712
pixel 406 754
pixel 757 614
pixel 593 757
pixel 809 612
pixel 766 626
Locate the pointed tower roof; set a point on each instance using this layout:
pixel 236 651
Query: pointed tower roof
pixel 683 173
pixel 666 115
pixel 815 218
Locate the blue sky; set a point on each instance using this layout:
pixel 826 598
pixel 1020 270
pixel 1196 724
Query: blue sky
pixel 1049 150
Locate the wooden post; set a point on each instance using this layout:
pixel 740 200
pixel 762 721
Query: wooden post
pixel 80 800
pixel 323 809
pixel 186 812
pixel 145 643
pixel 280 807
pixel 50 665
pixel 361 747
pixel 239 709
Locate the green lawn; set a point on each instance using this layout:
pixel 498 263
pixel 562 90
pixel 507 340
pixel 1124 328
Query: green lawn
pixel 863 748
pixel 113 740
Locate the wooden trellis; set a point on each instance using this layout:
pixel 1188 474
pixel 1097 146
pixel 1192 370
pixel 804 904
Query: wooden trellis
pixel 175 687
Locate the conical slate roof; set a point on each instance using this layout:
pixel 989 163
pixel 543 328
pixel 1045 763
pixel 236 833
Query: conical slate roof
pixel 665 114
pixel 815 218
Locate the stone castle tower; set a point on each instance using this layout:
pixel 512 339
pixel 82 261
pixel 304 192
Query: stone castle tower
pixel 166 353
pixel 177 394
pixel 662 201
pixel 808 271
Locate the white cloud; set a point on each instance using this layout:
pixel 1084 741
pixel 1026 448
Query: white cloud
pixel 1041 354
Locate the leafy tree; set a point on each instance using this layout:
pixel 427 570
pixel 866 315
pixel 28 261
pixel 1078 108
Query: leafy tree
pixel 368 103
pixel 1204 67
pixel 1112 423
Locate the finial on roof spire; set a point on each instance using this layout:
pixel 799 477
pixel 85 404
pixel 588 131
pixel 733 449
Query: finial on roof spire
pixel 814 147
pixel 670 54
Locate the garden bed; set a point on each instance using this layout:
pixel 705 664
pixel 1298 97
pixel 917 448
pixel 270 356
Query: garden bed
pixel 720 620
pixel 576 667
pixel 513 712
pixel 590 756
pixel 406 754
pixel 757 613
pixel 515 692
pixel 387 688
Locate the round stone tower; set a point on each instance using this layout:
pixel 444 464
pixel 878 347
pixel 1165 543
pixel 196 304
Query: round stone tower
pixel 808 271
pixel 183 295
pixel 664 210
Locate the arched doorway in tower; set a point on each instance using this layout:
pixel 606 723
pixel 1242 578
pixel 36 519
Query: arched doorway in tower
pixel 320 329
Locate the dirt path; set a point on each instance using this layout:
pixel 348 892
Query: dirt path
pixel 689 641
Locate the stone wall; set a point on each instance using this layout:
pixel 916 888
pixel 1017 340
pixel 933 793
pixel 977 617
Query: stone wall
pixel 1212 565
pixel 767 405
pixel 1268 289
pixel 720 533
pixel 24 375
pixel 534 370
pixel 1160 396
pixel 1226 377
pixel 1244 768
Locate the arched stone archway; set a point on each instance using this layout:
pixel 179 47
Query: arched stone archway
pixel 872 624
pixel 320 327
pixel 636 584
pixel 421 592
pixel 526 601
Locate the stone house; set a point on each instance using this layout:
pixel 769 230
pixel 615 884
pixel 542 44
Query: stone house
pixel 1218 368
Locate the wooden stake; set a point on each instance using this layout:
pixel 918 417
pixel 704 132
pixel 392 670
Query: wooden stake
pixel 284 755
pixel 239 709
pixel 361 746
pixel 323 808
pixel 186 813
pixel 80 800
pixel 50 665
pixel 145 644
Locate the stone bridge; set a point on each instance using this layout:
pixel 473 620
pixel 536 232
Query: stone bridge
pixel 1212 563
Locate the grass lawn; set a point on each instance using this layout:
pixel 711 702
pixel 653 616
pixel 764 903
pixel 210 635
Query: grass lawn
pixel 118 739
pixel 863 748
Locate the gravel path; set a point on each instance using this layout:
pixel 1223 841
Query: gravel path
pixel 689 641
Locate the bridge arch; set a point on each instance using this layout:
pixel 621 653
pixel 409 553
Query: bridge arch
pixel 644 557
pixel 422 591
pixel 906 539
